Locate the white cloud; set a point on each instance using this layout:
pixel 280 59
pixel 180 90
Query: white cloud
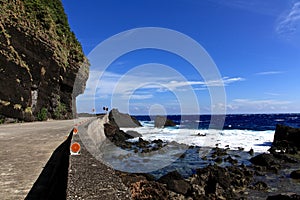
pixel 262 106
pixel 289 22
pixel 272 94
pixel 261 102
pixel 269 73
pixel 141 96
pixel 116 84
pixel 256 6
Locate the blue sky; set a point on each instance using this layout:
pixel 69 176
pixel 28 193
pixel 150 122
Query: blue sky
pixel 255 46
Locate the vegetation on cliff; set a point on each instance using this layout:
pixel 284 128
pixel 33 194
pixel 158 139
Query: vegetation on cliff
pixel 40 58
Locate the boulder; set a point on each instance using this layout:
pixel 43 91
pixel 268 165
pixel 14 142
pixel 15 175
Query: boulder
pixel 133 134
pixel 143 186
pixel 117 136
pixel 148 190
pixel 295 174
pixel 260 185
pixel 264 159
pixel 286 139
pixel 123 120
pixel 220 183
pixel 175 182
pixel 163 121
pixel 284 196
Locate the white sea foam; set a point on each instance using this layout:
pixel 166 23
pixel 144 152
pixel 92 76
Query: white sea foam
pixel 259 141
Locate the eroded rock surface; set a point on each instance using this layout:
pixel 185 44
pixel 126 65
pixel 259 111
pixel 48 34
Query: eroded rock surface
pixel 40 59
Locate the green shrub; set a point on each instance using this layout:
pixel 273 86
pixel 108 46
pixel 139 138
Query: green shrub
pixel 60 111
pixel 42 115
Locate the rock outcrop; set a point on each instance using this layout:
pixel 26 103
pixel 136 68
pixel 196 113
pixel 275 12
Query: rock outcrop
pixel 175 182
pixel 284 196
pixel 40 58
pixel 123 120
pixel 119 137
pixel 163 121
pixel 295 174
pixel 286 139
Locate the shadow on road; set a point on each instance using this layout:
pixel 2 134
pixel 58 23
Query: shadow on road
pixel 53 180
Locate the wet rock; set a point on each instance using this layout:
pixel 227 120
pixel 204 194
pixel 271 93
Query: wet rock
pixel 175 182
pixel 142 143
pixel 114 133
pixel 285 158
pixel 231 160
pixel 219 160
pixel 240 148
pixel 217 152
pixel 295 174
pixel 251 152
pixel 259 186
pixel 284 196
pixel 163 121
pixel 220 183
pixel 286 139
pixel 264 159
pixel 158 142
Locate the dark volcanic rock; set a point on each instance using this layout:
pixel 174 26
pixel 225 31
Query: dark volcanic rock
pixel 216 182
pixel 285 196
pixel 264 159
pixel 123 120
pixel 148 190
pixel 142 187
pixel 117 136
pixel 162 121
pixel 259 186
pixel 133 134
pixel 286 139
pixel 40 61
pixel 175 182
pixel 295 174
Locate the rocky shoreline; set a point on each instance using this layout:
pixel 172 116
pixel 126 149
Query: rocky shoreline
pixel 273 175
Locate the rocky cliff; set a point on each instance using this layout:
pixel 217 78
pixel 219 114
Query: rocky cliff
pixel 40 59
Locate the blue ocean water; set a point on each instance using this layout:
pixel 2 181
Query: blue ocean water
pixel 255 122
pixel 187 150
pixel 240 131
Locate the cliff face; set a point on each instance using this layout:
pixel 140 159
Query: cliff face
pixel 39 60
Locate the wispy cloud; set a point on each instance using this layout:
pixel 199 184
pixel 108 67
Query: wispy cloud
pixel 272 94
pixel 289 22
pixel 258 105
pixel 141 96
pixel 266 7
pixel 124 85
pixel 261 102
pixel 269 73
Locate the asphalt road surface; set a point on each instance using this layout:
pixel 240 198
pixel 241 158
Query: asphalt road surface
pixel 25 149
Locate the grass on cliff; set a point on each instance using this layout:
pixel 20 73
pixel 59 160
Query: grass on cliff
pixel 52 17
pixel 47 19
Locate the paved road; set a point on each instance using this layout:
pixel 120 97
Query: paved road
pixel 25 149
pixel 89 178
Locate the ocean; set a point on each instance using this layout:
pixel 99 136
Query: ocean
pixel 240 134
pixel 240 131
pixel 192 143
